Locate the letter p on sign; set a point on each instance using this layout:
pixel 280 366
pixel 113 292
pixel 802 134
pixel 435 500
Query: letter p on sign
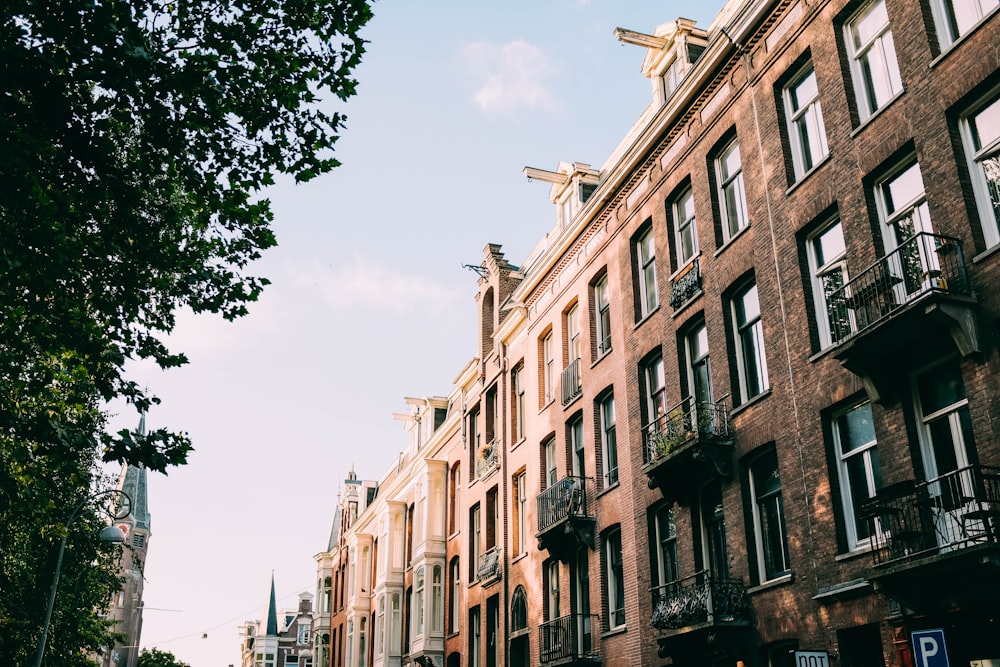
pixel 929 649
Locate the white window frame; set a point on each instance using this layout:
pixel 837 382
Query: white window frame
pixel 475 637
pixel 454 599
pixel 732 194
pixel 671 79
pixel 418 602
pixel 517 380
pixel 865 452
pixel 521 509
pixel 656 389
pixel 806 130
pixel 645 252
pixel 609 439
pixel 551 467
pixel 824 265
pixel 602 308
pixel 749 331
pixel 872 54
pixel 666 539
pixel 956 18
pixel 437 598
pixel 552 610
pixel 762 498
pixel 685 226
pixel 573 335
pixel 615 578
pixel 549 370
pixel 987 192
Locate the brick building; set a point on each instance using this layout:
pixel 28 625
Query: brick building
pixel 742 401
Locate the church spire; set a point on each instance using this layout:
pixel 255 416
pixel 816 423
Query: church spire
pixel 133 482
pixel 272 613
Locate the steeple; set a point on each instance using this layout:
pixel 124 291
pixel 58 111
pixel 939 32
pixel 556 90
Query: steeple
pixel 272 613
pixel 133 482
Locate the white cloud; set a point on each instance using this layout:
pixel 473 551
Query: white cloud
pixel 513 75
pixel 364 284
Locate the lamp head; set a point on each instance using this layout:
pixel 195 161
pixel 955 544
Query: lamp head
pixel 111 535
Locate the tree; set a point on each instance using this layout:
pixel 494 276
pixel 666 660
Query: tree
pixel 138 137
pixel 154 657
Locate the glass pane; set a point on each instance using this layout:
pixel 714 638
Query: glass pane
pixel 869 24
pixel 903 190
pixel 748 306
pixel 857 482
pixel 829 245
pixel 940 387
pixel 857 428
pixel 986 125
pixel 804 90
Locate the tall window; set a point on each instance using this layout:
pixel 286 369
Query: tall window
pixel 552 590
pixel 750 358
pixel 520 514
pixel 492 514
pixel 475 642
pixel 656 392
pixel 873 58
pixel 576 446
pixel 698 367
pixel 573 333
pixel 549 455
pixel 437 598
pixel 609 442
pixel 671 79
pixel 826 253
pixel 664 546
pixel 379 649
pixel 685 230
pixel 954 18
pixel 859 471
pixel 363 641
pixel 645 252
pixel 602 308
pixel 806 132
pixel 455 485
pixel 454 594
pixel 614 578
pixel 768 516
pixel 418 611
pixel 517 389
pixel 732 197
pixel 903 205
pixel 548 369
pixel 475 540
pixel 519 610
pixel 981 137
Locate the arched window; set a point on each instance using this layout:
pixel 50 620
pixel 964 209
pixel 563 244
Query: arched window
pixel 519 610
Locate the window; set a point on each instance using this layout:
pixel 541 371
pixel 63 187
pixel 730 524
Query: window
pixel 656 392
pixel 456 498
pixel 549 454
pixel 363 642
pixel 520 514
pixel 698 368
pixel 492 509
pixel 806 133
pixel 768 516
pixel 685 231
pixel 576 446
pixel 954 18
pixel 552 590
pixel 826 254
pixel 750 358
pixel 475 543
pixel 602 307
pixel 861 646
pixel 437 598
pixel 573 333
pixel 859 472
pixel 609 442
pixel 519 610
pixel 418 611
pixel 671 79
pixel 663 546
pixel 517 388
pixel 903 212
pixel 873 58
pixel 732 197
pixel 454 594
pixel 303 633
pixel 615 578
pixel 548 369
pixel 981 136
pixel 379 628
pixel 475 660
pixel 646 259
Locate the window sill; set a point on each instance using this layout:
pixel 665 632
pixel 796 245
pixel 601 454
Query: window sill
pixel 804 177
pixel 823 353
pixel 621 629
pixel 454 535
pixel 520 556
pixel 989 252
pixel 546 405
pixel 570 402
pixel 518 444
pixel 646 317
pixel 601 357
pixel 772 583
pixel 863 125
pixel 608 488
pixel 746 405
pixel 858 552
pixel 731 240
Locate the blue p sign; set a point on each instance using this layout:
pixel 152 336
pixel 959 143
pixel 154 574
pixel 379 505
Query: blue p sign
pixel 929 649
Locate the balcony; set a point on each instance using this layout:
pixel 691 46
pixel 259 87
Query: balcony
pixel 918 297
pixel 936 544
pixel 570 382
pixel 489 569
pixel 487 459
pixel 569 640
pixel 692 442
pixel 686 285
pixel 565 518
pixel 694 611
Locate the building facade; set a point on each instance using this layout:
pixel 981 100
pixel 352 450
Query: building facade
pixel 281 639
pixel 740 406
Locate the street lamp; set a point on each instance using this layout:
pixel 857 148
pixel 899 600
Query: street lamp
pixel 112 534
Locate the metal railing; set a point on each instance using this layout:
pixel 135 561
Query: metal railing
pixel 565 498
pixel 686 285
pixel 956 510
pixel 700 599
pixel 922 264
pixel 488 566
pixel 683 422
pixel 570 637
pixel 488 459
pixel 570 382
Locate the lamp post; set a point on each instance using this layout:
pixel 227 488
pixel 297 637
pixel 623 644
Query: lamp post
pixel 112 534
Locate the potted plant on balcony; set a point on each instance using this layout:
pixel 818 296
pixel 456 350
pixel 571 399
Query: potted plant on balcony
pixel 672 431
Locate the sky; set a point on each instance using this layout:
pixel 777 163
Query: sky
pixel 369 301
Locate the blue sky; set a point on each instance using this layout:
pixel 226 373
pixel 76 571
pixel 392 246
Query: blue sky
pixel 369 301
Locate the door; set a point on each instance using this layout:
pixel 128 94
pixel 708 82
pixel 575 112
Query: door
pixel 581 603
pixel 700 381
pixel 714 554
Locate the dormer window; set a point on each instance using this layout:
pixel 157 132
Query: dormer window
pixel 572 185
pixel 671 52
pixel 671 79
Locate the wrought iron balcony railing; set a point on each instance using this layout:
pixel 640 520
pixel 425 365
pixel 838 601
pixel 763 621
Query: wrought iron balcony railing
pixel 685 285
pixel 925 263
pixel 488 567
pixel 684 422
pixel 488 459
pixel 698 600
pixel 566 498
pixel 571 382
pixel 570 637
pixel 957 510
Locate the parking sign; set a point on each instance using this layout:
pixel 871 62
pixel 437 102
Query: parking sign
pixel 929 649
